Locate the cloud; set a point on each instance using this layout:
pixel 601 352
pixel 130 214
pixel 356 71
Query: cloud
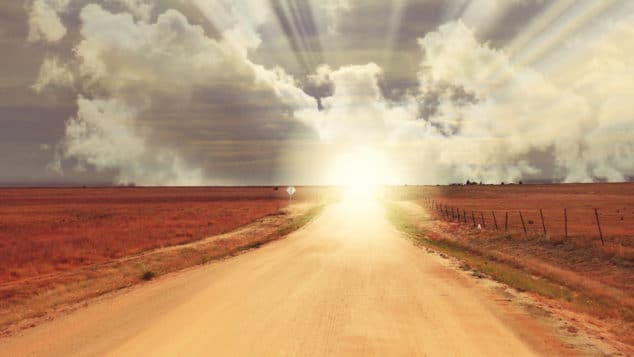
pixel 518 110
pixel 446 103
pixel 126 64
pixel 117 52
pixel 104 134
pixel 356 111
pixel 138 77
pixel 44 22
pixel 141 9
pixel 53 73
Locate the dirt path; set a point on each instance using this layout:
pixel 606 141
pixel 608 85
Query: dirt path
pixel 346 284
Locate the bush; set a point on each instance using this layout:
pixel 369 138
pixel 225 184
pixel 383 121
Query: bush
pixel 148 275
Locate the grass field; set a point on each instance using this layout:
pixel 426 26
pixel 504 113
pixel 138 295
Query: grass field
pixel 594 278
pixel 60 247
pixel 44 231
pixel 614 203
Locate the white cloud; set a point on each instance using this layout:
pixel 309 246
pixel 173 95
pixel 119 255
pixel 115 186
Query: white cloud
pixel 518 110
pixel 486 118
pixel 117 52
pixel 357 111
pixel 53 73
pixel 105 135
pixel 45 23
pixel 129 62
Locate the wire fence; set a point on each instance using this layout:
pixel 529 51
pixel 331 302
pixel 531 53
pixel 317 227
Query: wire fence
pixel 606 225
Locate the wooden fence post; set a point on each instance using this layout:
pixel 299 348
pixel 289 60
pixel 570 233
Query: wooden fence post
pixel 484 225
pixel 566 223
pixel 495 221
pixel 506 221
pixel 473 218
pixel 523 224
pixel 541 214
pixel 596 214
pixel 464 214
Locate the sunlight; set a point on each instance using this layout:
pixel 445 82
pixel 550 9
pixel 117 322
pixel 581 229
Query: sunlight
pixel 361 173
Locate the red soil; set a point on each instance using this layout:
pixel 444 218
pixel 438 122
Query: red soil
pixel 615 204
pixel 45 231
pixel 580 262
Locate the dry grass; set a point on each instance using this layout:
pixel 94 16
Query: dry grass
pixel 582 275
pixel 25 302
pixel 47 231
pixel 615 204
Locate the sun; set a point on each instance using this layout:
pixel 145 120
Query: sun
pixel 360 173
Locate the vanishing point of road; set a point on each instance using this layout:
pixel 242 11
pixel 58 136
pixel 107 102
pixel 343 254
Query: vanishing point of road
pixel 347 284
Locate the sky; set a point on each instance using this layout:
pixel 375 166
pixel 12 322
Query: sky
pixel 273 92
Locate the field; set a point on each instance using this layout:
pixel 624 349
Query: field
pixel 489 206
pixel 596 277
pixel 64 246
pixel 44 231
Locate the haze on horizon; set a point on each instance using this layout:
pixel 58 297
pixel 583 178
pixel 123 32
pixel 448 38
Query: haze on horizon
pixel 259 92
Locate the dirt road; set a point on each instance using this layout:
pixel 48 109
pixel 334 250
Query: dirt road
pixel 347 284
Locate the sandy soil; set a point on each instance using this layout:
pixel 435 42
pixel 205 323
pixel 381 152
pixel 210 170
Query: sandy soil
pixel 347 284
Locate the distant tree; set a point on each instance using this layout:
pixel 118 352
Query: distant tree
pixel 502 183
pixel 521 183
pixel 468 182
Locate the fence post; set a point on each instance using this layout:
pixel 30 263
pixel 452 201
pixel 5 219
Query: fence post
pixel 473 218
pixel 541 214
pixel 464 213
pixel 506 221
pixel 566 223
pixel 484 225
pixel 523 224
pixel 596 214
pixel 495 221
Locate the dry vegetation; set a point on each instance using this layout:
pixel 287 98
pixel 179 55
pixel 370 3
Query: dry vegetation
pixel 61 246
pixel 578 271
pixel 614 202
pixel 45 231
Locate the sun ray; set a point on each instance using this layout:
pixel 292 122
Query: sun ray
pixel 566 26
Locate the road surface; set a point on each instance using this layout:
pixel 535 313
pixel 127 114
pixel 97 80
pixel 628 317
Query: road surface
pixel 347 284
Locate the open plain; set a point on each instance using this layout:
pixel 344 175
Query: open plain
pixel 347 280
pixel 346 284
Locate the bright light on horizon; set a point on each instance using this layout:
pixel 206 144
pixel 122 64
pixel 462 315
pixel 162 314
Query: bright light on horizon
pixel 361 172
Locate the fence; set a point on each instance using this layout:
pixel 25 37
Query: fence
pixel 603 224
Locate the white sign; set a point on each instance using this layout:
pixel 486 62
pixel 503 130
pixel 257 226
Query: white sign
pixel 291 190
